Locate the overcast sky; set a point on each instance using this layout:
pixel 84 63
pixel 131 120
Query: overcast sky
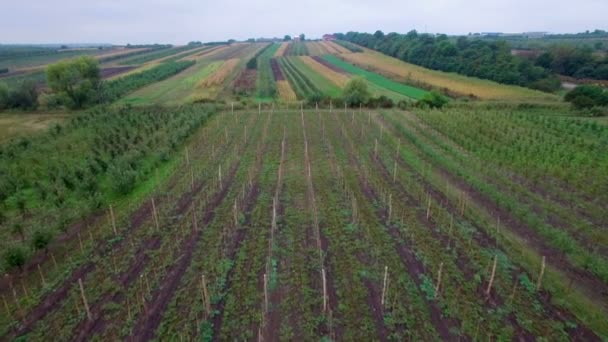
pixel 180 21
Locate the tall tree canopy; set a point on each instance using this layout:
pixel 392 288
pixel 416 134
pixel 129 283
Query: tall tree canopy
pixel 75 82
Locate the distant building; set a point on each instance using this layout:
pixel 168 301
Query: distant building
pixel 534 35
pixel 296 38
pixel 328 37
pixel 491 34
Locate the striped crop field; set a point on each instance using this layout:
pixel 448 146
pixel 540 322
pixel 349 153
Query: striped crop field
pixel 180 88
pixel 458 84
pixel 316 64
pixel 379 80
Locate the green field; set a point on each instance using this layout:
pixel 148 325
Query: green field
pixel 265 83
pixel 379 80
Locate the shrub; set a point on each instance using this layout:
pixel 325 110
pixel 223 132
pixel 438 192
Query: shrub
pixel 433 99
pixel 356 92
pixel 587 96
pixel 25 96
pixel 41 239
pixel 14 257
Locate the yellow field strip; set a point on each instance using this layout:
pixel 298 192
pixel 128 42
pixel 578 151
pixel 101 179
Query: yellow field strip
pixel 220 74
pixel 335 77
pixel 206 53
pixel 339 48
pixel 285 91
pixel 281 50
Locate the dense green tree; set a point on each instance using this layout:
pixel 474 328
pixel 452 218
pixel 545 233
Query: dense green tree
pixel 302 37
pixel 356 92
pixel 379 34
pixel 75 81
pixel 587 96
pixel 287 38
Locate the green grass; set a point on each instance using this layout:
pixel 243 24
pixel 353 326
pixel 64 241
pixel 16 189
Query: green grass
pixel 409 91
pixel 14 125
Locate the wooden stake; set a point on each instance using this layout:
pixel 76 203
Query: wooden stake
pixel 265 293
pixel 206 299
pixel 324 289
pixel 398 146
pixel 113 220
pixel 27 294
pixel 220 175
pixel 145 275
pixel 428 207
pixel 540 276
pixel 376 149
pixel 395 172
pixel 41 275
pixel 438 280
pixel 155 215
pixel 384 286
pixel 16 299
pixel 84 299
pixel 462 205
pixel 492 276
pixel 390 207
pixel 54 261
pixel 512 296
pixel 187 156
pixel 235 214
pixel 128 308
pixel 8 310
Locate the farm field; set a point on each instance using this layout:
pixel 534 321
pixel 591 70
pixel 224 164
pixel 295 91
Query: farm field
pixel 329 224
pixel 206 79
pixel 458 84
pixel 376 79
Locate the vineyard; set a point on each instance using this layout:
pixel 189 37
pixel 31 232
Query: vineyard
pixel 295 190
pixel 336 224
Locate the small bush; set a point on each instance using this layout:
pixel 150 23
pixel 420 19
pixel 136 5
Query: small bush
pixel 14 257
pixel 434 99
pixel 41 239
